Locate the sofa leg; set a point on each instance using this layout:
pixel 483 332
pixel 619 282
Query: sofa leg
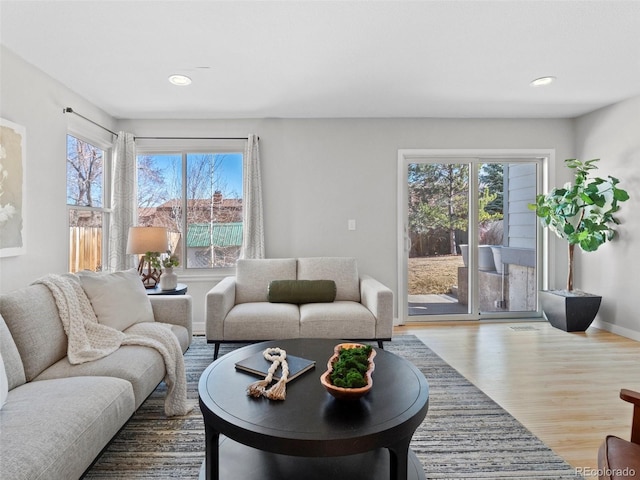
pixel 380 345
pixel 216 350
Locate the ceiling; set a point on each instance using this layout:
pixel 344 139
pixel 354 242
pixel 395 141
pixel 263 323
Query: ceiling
pixel 311 59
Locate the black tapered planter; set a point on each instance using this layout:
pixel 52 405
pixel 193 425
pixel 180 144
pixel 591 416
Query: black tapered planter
pixel 569 311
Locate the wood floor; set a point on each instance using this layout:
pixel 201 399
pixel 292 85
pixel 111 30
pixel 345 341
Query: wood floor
pixel 564 387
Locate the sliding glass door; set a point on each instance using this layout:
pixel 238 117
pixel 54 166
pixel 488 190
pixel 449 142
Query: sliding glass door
pixel 437 228
pixel 468 244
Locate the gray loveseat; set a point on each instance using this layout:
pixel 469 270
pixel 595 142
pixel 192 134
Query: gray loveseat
pixel 238 309
pixel 58 417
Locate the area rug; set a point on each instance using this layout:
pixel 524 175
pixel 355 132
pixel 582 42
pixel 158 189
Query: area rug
pixel 465 434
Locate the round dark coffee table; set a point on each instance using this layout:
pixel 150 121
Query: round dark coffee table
pixel 311 435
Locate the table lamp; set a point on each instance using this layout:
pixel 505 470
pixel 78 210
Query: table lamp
pixel 143 241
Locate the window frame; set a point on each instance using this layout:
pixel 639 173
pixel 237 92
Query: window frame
pixel 541 157
pixel 183 148
pixel 107 148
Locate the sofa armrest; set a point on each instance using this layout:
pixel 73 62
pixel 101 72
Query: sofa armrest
pixel 218 303
pixel 379 300
pixel 634 398
pixel 173 309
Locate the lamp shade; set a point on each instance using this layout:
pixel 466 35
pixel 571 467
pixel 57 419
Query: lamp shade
pixel 147 239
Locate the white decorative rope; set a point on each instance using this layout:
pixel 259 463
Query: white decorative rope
pixel 277 357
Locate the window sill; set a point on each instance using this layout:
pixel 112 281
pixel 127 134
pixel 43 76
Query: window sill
pixel 207 275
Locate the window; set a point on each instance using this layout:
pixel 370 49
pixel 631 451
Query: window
pixel 88 218
pixel 197 192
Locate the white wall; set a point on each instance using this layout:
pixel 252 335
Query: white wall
pixel 317 173
pixel 32 99
pixel 613 135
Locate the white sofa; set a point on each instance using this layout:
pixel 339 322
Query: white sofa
pixel 238 309
pixel 58 417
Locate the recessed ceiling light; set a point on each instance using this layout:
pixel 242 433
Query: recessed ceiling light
pixel 180 80
pixel 542 81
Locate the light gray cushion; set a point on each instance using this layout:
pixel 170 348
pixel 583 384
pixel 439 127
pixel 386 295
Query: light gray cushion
pixel 119 299
pixel 182 334
pixel 342 270
pixel 32 317
pixel 143 367
pixel 4 383
pixel 173 309
pixel 218 303
pixel 262 321
pixel 253 277
pixel 11 356
pixel 54 429
pixel 379 300
pixel 340 319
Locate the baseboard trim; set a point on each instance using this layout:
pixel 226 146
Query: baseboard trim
pixel 617 329
pixel 198 328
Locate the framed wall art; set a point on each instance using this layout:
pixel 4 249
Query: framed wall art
pixel 12 188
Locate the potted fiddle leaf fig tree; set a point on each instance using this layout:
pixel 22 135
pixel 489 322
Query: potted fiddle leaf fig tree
pixel 581 213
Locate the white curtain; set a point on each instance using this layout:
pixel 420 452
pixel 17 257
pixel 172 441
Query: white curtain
pixel 253 235
pixel 123 201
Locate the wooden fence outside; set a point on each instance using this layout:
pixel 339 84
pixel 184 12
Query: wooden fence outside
pixel 85 249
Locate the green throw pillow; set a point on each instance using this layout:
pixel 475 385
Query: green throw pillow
pixel 302 291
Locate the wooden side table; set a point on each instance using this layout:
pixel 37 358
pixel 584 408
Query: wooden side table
pixel 180 289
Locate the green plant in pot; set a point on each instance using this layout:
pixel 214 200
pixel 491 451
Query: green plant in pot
pixel 581 213
pixel 160 261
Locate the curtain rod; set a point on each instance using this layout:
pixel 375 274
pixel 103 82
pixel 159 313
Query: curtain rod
pixel 70 110
pixel 191 138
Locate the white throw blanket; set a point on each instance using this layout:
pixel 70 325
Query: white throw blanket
pixel 88 340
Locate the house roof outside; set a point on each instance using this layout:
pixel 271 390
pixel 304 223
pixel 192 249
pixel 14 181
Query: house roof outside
pixel 223 235
pixel 202 203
